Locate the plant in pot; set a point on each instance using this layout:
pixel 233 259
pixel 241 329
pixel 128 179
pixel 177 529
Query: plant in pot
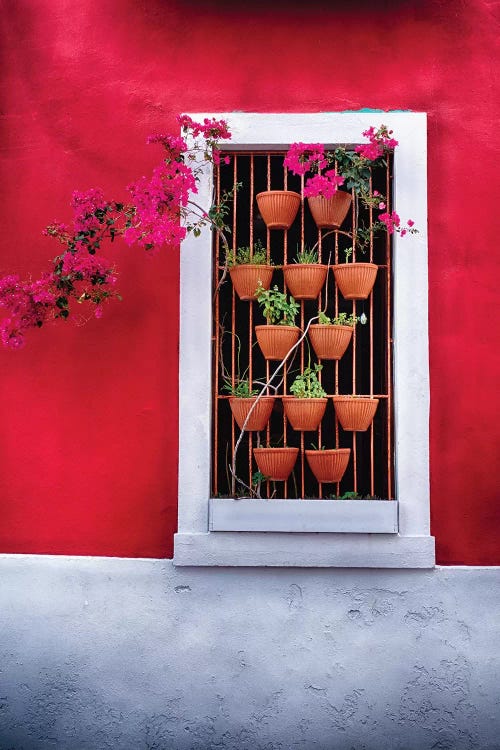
pixel 351 168
pixel 328 204
pixel 306 407
pixel 328 465
pixel 355 280
pixel 248 267
pixel 276 464
pixel 305 277
pixel 330 337
pixel 277 338
pixel 245 406
pixel 278 208
pixel 355 413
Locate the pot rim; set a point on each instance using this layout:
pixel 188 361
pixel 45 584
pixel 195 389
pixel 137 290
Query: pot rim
pixel 355 263
pixel 327 451
pixel 278 192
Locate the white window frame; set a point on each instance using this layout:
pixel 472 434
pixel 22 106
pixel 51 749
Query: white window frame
pixel 312 533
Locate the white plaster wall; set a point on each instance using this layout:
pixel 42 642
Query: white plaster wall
pixel 138 655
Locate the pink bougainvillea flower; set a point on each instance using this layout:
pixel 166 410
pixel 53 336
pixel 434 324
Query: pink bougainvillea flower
pixel 305 157
pixel 160 203
pixel 410 222
pixel 369 151
pixel 391 221
pixel 325 185
pixel 210 128
pixel 380 142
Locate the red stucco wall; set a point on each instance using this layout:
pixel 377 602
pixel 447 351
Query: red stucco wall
pixel 89 414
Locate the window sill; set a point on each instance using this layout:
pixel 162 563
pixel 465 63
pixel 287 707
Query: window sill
pixel 340 516
pixel 303 550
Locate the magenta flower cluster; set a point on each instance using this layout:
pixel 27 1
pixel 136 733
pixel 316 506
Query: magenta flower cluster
pixel 311 157
pixel 325 184
pixel 152 220
pixel 393 223
pixel 305 157
pixel 380 142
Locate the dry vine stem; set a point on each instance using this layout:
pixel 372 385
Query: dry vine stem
pixel 235 478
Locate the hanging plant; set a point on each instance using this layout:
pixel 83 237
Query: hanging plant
pixel 305 277
pixel 330 337
pixel 249 269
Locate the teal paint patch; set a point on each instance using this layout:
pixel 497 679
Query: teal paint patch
pixel 369 109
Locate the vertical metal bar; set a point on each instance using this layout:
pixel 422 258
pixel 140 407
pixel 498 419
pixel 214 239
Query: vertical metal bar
pixel 320 307
pixel 302 180
pixel 372 454
pixel 389 338
pixel 320 432
pixel 337 436
pixel 268 246
pixel 354 360
pixel 250 319
pixel 233 308
pixel 215 338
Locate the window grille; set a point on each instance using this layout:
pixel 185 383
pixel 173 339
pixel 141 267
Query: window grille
pixel 365 368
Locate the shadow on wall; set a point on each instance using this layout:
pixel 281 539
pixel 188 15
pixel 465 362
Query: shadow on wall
pixel 319 5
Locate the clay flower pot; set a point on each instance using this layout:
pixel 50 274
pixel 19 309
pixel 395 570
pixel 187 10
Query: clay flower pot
pixel 330 341
pixel 329 213
pixel 276 341
pixel 246 279
pixel 305 280
pixel 355 413
pixel 278 208
pixel 304 414
pixel 328 466
pixel 355 280
pixel 259 416
pixel 276 463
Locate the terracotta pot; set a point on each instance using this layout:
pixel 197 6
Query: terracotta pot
pixel 305 280
pixel 259 416
pixel 278 208
pixel 329 213
pixel 329 341
pixel 304 414
pixel 276 463
pixel 330 465
pixel 355 413
pixel 276 341
pixel 355 280
pixel 246 279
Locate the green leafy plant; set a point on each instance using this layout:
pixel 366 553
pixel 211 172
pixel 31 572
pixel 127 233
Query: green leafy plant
pixel 342 319
pixel 353 496
pixel 276 306
pixel 258 477
pixel 255 255
pixel 315 447
pixel 240 388
pixel 306 255
pixel 307 385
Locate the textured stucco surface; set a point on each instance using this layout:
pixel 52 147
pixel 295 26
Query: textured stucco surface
pixel 122 654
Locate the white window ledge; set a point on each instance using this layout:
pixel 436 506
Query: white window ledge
pixel 340 516
pixel 272 549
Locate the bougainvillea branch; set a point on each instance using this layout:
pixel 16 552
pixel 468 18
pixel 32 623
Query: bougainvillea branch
pixel 160 213
pixel 351 169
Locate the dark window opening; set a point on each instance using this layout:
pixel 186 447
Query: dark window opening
pixel 365 368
